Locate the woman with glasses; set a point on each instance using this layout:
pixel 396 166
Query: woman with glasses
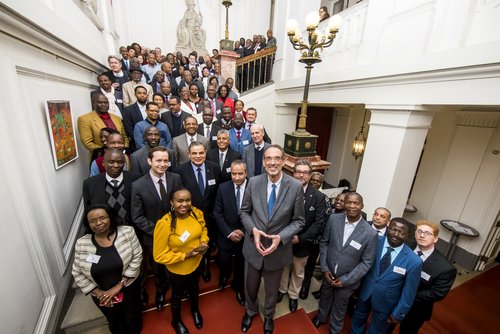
pixel 107 262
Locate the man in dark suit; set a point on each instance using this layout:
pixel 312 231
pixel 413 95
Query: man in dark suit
pixel 347 252
pixel 114 96
pixel 113 187
pixel 230 229
pixel 315 215
pixel 252 154
pixel 174 118
pixel 389 288
pixel 134 114
pixel 208 128
pixel 272 212
pixel 251 116
pixel 181 142
pixel 215 104
pixel 436 279
pixel 150 202
pixel 224 118
pixel 380 219
pixel 223 154
pixel 139 159
pixel 201 178
pixel 169 76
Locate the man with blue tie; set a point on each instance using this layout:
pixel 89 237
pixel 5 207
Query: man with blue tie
pixel 230 229
pixel 389 288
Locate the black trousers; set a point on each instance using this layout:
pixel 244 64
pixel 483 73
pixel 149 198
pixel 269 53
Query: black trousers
pixel 311 262
pixel 160 271
pixel 227 263
pixel 125 317
pixel 184 283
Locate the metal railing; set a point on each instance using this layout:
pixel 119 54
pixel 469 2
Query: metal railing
pixel 254 70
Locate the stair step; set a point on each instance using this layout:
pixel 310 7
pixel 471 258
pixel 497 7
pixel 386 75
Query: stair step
pixel 82 315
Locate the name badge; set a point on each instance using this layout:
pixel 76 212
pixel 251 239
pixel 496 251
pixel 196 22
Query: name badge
pixel 92 258
pixel 312 208
pixel 399 270
pixel 184 236
pixel 425 275
pixel 245 142
pixel 214 137
pixel 228 170
pixel 119 100
pixel 211 182
pixel 355 244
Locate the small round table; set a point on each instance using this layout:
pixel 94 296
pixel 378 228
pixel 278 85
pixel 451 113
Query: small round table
pixel 457 229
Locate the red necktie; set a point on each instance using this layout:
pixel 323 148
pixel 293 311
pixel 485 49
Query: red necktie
pixel 239 134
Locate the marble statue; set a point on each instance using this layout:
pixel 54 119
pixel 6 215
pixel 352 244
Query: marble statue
pixel 190 33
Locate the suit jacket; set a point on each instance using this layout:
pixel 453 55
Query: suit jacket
pixel 166 118
pixel 146 203
pixel 129 93
pixel 249 157
pixel 201 89
pixel 217 104
pixel 352 259
pixel 121 80
pixel 213 155
pixel 204 202
pixel 244 141
pixel 118 98
pixel 89 128
pixel 436 280
pixel 213 134
pixel 226 215
pixel 286 220
pixel 223 126
pixel 139 160
pixel 315 215
pixel 393 292
pixel 173 83
pixel 131 116
pixel 180 148
pixel 94 190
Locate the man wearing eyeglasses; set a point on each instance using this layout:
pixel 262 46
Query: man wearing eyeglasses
pixel 388 289
pixel 436 278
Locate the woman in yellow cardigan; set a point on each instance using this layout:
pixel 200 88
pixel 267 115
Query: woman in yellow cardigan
pixel 179 242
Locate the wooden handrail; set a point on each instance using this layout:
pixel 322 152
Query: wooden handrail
pixel 256 56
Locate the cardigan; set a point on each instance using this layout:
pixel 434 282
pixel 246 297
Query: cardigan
pixel 170 250
pixel 128 247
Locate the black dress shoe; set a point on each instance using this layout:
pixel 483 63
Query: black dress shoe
pixel 198 319
pixel 316 322
pixel 316 294
pixel 304 291
pixel 240 297
pixel 280 297
pixel 159 301
pixel 268 326
pixel 145 299
pixel 292 304
pixel 246 322
pixel 207 275
pixel 179 327
pixel 222 282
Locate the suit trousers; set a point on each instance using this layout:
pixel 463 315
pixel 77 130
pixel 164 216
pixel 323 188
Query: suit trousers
pixel 293 276
pixel 160 271
pixel 311 262
pixel 411 324
pixel 378 323
pixel 125 317
pixel 252 283
pixel 333 305
pixel 225 259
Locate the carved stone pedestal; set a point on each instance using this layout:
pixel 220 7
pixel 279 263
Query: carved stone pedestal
pixel 228 63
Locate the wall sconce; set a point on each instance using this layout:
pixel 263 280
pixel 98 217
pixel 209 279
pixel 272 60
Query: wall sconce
pixel 359 144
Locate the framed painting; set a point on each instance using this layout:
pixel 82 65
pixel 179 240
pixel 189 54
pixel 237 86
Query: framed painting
pixel 62 132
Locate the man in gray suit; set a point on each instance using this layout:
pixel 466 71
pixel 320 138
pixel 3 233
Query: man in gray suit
pixel 139 159
pixel 252 154
pixel 181 143
pixel 272 212
pixel 347 252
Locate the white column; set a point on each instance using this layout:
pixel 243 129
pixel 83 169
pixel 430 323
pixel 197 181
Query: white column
pixel 395 140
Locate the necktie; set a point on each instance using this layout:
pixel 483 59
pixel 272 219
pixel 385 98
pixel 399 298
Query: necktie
pixel 191 140
pixel 385 262
pixel 272 200
pixel 420 254
pixel 212 105
pixel 163 195
pixel 115 183
pixel 208 132
pixel 221 160
pixel 201 184
pixel 238 194
pixel 239 134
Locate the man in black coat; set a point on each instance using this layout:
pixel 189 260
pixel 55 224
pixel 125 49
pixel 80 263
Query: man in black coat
pixel 230 229
pixel 113 187
pixel 223 154
pixel 201 178
pixel 134 114
pixel 174 118
pixel 150 202
pixel 208 128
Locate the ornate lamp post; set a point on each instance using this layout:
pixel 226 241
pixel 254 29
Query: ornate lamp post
pixel 301 143
pixel 226 44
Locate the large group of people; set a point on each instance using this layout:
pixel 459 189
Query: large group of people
pixel 181 172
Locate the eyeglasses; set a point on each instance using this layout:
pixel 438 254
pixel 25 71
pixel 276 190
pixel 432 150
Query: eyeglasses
pixel 99 219
pixel 425 233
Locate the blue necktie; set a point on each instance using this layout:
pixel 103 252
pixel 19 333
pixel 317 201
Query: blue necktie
pixel 238 196
pixel 385 261
pixel 272 200
pixel 201 184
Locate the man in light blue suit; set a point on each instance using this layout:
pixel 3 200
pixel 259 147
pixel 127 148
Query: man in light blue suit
pixel 389 288
pixel 239 137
